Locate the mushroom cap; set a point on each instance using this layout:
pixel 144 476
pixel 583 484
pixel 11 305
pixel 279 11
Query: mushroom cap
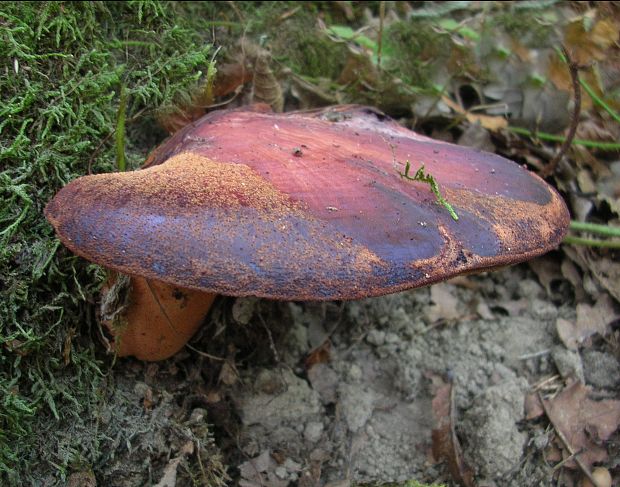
pixel 307 206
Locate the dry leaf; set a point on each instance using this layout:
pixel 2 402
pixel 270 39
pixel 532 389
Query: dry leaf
pixel 567 332
pixel 446 305
pixel 603 267
pixel 585 423
pixel 266 87
pixel 588 45
pixel 82 479
pixel 547 270
pixel 228 374
pixel 533 407
pixel 260 472
pixel 489 122
pixel 572 274
pixel 446 445
pixel 169 475
pixel 230 77
pixel 320 355
pixel 595 319
pixel 590 320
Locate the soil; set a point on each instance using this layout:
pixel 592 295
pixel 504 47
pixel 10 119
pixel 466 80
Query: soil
pixel 341 393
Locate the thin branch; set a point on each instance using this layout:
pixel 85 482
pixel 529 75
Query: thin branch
pixel 573 68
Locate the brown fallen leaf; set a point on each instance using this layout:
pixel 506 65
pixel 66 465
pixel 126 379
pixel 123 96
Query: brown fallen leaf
pixel 82 479
pixel 320 355
pixel 228 373
pixel 260 472
pixel 490 122
pixel 603 267
pixel 592 43
pixel 590 321
pixel 446 445
pixel 533 406
pixel 584 423
pixel 230 77
pixel 169 475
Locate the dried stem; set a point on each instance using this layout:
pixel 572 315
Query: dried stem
pixel 573 68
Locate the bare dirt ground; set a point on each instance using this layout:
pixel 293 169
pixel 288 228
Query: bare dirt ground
pixel 345 393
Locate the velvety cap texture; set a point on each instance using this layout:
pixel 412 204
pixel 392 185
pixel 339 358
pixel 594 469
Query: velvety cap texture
pixel 307 206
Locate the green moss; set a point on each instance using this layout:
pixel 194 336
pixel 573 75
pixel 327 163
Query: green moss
pixel 62 65
pixel 414 51
pixel 295 41
pixel 523 26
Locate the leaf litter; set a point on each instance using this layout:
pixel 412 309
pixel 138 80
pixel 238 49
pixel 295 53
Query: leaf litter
pixel 584 423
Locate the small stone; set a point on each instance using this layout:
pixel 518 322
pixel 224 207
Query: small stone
pixel 391 338
pixel 601 369
pixel 357 405
pixel 529 288
pixel 281 473
pixel 197 416
pixel 313 431
pixel 355 373
pixel 376 337
pixel 243 309
pixel 543 310
pixel 324 380
pixel 291 465
pixel 601 476
pixel 568 363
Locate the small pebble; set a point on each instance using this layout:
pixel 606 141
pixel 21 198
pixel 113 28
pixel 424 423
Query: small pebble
pixel 601 476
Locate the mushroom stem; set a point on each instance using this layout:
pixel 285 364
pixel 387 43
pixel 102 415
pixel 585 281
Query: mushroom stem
pixel 149 319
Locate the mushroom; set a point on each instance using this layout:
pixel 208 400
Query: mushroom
pixel 297 206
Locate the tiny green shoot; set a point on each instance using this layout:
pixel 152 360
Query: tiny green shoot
pixel 121 163
pixel 423 177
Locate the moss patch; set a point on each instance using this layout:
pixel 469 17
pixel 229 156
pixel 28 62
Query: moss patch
pixel 63 66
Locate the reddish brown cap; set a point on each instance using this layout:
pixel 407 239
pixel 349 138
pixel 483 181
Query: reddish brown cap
pixel 307 205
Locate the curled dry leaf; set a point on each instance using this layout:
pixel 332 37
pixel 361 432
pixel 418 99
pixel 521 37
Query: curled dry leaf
pixel 590 43
pixel 583 422
pixel 320 355
pixel 266 86
pixel 446 444
pixel 590 320
pixel 493 123
pixel 260 472
pixel 603 267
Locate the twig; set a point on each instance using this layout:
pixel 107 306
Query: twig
pixel 528 356
pixel 542 383
pixel 567 445
pixel 202 468
pixel 380 39
pixel 573 68
pixel 204 354
pixel 272 344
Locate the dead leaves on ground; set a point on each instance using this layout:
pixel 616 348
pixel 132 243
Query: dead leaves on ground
pixel 446 446
pixel 591 320
pixel 582 425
